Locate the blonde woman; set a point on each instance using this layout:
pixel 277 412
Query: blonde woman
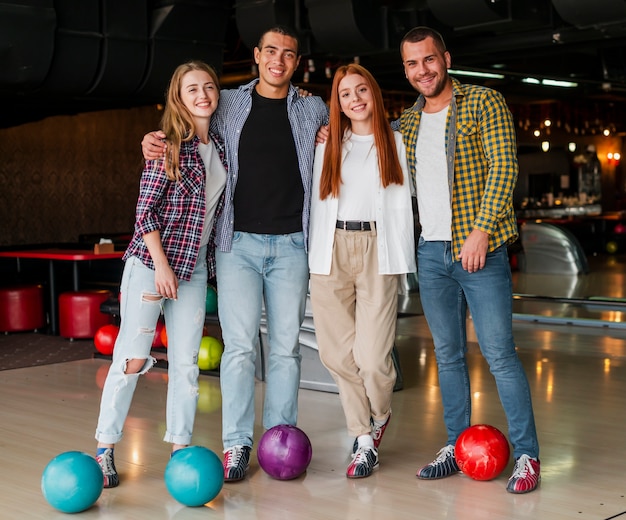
pixel 168 262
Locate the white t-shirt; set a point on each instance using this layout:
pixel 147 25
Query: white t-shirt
pixel 359 180
pixel 431 177
pixel 215 182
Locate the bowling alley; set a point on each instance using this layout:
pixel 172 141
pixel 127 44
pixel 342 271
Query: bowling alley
pixel 205 311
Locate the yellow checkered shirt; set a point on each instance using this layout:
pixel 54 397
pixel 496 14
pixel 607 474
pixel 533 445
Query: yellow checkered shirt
pixel 482 162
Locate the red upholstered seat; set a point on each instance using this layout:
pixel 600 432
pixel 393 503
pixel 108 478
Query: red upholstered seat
pixel 21 308
pixel 80 315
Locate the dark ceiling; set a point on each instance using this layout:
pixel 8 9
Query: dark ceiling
pixel 67 56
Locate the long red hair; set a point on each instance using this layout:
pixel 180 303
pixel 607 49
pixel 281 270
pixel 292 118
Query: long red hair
pixel 388 162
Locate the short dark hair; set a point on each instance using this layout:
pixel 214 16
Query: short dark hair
pixel 285 31
pixel 418 34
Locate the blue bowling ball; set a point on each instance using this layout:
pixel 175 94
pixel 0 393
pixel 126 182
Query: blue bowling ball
pixel 194 476
pixel 72 482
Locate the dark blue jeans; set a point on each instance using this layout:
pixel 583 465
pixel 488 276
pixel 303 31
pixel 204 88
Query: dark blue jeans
pixel 446 291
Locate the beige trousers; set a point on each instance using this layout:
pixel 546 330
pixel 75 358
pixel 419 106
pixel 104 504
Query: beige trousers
pixel 355 311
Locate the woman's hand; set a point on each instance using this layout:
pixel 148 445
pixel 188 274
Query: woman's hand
pixel 165 282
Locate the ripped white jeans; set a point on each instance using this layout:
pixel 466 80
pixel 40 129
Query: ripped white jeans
pixel 140 308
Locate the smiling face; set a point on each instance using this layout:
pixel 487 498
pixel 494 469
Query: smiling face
pixel 356 100
pixel 199 93
pixel 426 68
pixel 277 59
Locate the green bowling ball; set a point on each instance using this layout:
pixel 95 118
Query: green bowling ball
pixel 210 353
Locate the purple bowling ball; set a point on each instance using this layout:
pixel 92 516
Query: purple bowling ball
pixel 284 452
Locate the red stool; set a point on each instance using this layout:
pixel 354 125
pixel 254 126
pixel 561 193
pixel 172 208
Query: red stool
pixel 80 315
pixel 21 308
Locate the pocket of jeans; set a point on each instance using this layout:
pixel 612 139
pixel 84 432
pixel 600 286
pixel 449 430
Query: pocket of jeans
pixel 499 254
pixel 297 240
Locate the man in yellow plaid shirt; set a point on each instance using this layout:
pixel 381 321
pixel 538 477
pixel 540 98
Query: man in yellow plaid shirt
pixel 462 154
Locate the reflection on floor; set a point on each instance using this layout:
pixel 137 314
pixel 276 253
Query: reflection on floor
pixel 577 377
pixel 582 299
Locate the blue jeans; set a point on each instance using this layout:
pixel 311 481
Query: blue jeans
pixel 274 269
pixel 184 321
pixel 446 290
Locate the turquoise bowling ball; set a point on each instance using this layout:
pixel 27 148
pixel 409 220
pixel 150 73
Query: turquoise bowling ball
pixel 72 482
pixel 210 353
pixel 194 476
pixel 211 300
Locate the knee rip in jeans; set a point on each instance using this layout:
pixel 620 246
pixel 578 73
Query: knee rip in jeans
pixel 138 366
pixel 151 297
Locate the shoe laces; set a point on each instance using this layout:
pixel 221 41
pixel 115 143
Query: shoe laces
pixel 233 456
pixel 444 454
pixel 106 462
pixel 360 457
pixel 378 431
pixel 522 468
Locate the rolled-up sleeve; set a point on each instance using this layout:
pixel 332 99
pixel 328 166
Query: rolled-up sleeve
pixel 152 188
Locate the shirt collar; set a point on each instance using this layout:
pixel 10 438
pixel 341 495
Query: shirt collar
pixel 291 95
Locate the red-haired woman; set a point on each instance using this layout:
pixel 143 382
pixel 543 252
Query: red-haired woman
pixel 361 239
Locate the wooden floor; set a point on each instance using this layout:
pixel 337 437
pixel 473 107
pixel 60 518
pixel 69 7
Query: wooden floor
pixel 578 381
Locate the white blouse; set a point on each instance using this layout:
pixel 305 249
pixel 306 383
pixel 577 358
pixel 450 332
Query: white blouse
pixel 393 214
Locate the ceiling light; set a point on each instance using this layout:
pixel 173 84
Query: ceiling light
pixel 557 83
pixel 571 147
pixel 550 82
pixel 476 74
pixel 545 146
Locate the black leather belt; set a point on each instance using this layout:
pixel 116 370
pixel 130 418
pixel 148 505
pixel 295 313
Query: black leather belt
pixel 355 225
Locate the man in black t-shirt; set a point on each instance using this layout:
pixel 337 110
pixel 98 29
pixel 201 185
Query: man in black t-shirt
pixel 269 133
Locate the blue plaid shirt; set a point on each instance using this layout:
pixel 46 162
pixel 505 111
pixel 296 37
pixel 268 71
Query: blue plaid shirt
pixel 176 210
pixel 306 115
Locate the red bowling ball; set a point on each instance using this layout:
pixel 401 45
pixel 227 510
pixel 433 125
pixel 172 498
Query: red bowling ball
pixel 104 339
pixel 482 452
pixel 157 340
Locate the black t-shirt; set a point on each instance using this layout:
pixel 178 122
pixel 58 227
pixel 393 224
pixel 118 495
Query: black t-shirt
pixel 269 194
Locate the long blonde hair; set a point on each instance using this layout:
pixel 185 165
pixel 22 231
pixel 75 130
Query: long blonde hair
pixel 388 162
pixel 177 122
